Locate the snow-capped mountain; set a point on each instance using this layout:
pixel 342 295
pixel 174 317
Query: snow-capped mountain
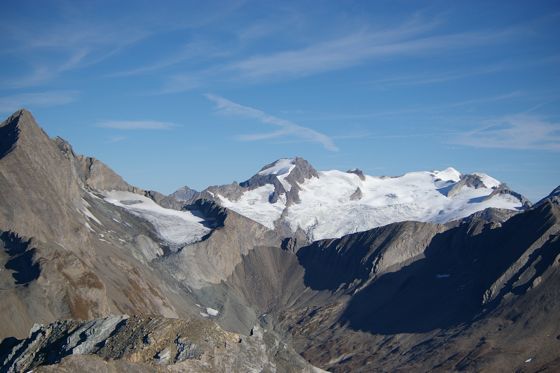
pixel 210 289
pixel 326 204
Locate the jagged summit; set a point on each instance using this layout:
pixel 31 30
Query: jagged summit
pixel 20 129
pixel 279 167
pixel 296 169
pixel 285 175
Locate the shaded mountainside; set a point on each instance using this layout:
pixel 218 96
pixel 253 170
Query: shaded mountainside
pixel 469 285
pixel 80 249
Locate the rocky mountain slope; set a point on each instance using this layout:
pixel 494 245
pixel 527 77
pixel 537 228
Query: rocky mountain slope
pixel 207 288
pixel 147 344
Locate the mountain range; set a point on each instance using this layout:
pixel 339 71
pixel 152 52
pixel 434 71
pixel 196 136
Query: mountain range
pixel 292 270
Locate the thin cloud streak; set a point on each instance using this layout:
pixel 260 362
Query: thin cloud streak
pixel 43 73
pixel 422 78
pixel 189 52
pixel 287 128
pixel 77 44
pixel 9 104
pixel 136 125
pixel 521 132
pixel 358 48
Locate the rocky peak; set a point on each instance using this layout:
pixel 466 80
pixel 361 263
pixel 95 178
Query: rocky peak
pixel 358 172
pixel 98 176
pixel 469 180
pixel 21 130
pixel 302 170
pixel 28 157
pixel 65 147
pixel 184 194
pixel 284 174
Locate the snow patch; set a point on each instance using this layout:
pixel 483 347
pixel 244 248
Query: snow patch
pixel 88 213
pixel 174 227
pixel 88 227
pixel 211 311
pixel 255 205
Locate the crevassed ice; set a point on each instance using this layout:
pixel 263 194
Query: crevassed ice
pixel 326 210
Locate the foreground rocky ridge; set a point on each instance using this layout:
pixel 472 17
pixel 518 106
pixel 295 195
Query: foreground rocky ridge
pixel 148 344
pixel 479 293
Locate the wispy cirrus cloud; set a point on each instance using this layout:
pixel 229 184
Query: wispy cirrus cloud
pixel 193 51
pixel 286 127
pixel 12 103
pixel 421 78
pixel 67 42
pixel 40 74
pixel 359 47
pixel 136 125
pixel 523 132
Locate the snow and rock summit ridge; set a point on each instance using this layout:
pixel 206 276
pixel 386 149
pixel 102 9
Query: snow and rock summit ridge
pixel 280 167
pixel 327 204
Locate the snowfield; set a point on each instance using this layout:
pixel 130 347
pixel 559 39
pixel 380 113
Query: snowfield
pixel 254 204
pixel 327 211
pixel 174 227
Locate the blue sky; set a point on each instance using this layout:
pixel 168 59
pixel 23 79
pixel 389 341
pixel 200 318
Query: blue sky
pixel 202 93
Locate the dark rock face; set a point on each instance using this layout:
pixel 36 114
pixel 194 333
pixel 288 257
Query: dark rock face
pixel 357 195
pixel 448 286
pixel 9 133
pixel 25 268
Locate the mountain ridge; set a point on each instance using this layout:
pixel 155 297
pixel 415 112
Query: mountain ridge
pixel 286 195
pixel 467 294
